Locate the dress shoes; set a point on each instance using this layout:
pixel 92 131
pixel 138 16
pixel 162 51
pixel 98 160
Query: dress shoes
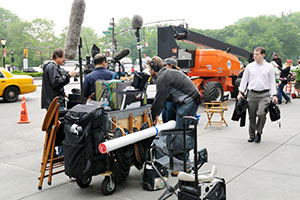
pixel 258 138
pixel 175 173
pixel 251 139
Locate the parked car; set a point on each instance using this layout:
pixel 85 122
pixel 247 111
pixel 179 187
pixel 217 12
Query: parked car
pixel 33 70
pixel 13 85
pixel 72 65
pixel 68 65
pixel 127 63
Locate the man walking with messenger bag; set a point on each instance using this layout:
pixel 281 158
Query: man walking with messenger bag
pixel 259 79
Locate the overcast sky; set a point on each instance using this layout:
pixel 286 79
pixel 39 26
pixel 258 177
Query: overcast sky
pixel 199 14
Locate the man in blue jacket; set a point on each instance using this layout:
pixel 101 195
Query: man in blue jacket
pixel 100 72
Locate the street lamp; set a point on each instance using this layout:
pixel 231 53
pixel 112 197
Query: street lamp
pixel 3 42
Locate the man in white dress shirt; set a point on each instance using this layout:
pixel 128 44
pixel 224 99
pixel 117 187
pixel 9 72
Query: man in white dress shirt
pixel 259 80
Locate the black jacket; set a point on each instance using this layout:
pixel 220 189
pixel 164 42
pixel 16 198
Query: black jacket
pixel 53 84
pixel 278 61
pixel 284 74
pixel 239 112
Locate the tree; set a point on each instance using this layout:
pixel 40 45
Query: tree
pixel 277 34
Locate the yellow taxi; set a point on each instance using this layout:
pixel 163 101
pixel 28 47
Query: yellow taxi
pixel 13 85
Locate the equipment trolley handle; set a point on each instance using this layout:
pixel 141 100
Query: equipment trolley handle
pixel 195 123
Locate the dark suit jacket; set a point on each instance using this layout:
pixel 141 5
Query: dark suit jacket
pixel 239 112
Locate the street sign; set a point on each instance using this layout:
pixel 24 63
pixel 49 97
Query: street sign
pixel 106 32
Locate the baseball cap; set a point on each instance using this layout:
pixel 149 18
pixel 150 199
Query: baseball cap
pixel 289 61
pixel 170 61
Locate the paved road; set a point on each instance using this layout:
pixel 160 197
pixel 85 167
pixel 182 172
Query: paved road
pixel 269 170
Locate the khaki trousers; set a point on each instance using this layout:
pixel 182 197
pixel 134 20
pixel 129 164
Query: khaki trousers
pixel 257 109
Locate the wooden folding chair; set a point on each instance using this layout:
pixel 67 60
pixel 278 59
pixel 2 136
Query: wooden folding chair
pixel 50 125
pixel 216 107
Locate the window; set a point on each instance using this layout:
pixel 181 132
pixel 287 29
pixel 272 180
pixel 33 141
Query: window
pixel 1 75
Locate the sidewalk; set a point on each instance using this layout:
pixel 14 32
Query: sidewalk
pixel 269 170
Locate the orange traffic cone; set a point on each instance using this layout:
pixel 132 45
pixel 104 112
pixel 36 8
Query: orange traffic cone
pixel 24 117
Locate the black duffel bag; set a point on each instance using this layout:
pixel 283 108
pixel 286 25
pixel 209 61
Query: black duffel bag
pixel 83 133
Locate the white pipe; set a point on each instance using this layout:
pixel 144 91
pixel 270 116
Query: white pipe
pixel 120 142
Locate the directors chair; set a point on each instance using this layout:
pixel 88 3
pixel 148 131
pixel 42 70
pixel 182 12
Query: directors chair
pixel 216 107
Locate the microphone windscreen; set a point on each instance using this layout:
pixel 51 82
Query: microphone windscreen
pixel 136 22
pixel 73 36
pixel 121 54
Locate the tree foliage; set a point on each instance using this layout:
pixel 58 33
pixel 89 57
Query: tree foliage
pixel 279 34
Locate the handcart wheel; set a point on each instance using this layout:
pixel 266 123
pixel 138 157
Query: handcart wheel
pixel 108 186
pixel 84 183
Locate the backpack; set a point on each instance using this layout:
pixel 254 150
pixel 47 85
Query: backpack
pixel 112 91
pixel 118 93
pixel 83 132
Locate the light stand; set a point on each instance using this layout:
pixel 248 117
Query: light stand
pixel 80 69
pixel 138 45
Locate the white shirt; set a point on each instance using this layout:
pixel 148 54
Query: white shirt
pixel 259 77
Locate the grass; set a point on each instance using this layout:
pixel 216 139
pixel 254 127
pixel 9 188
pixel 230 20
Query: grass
pixel 19 72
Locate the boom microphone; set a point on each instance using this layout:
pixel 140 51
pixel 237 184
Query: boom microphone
pixel 121 54
pixel 136 22
pixel 76 19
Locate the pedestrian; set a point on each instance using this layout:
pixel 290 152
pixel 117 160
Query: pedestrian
pixel 283 80
pixel 132 69
pixel 297 84
pixel 277 64
pixel 146 69
pixel 53 83
pixel 259 80
pixel 100 72
pixel 277 60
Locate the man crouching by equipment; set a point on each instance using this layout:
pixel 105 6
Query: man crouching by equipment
pixel 174 83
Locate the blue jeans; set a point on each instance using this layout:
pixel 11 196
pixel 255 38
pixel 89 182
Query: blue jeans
pixel 60 148
pixel 189 109
pixel 169 112
pixel 282 93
